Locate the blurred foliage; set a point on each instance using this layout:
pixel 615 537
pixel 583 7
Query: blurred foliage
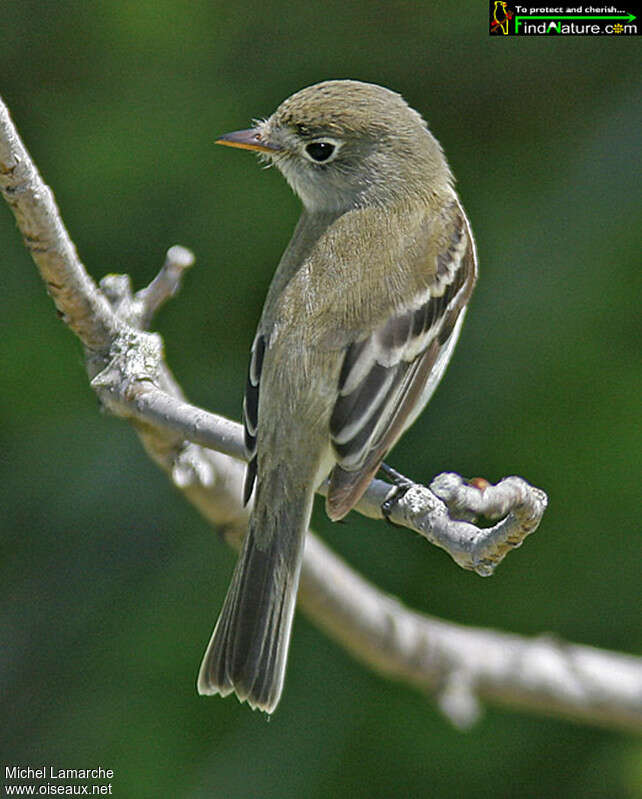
pixel 111 583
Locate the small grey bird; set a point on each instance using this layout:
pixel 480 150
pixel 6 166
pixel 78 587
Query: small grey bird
pixel 360 321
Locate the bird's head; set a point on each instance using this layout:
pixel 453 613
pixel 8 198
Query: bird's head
pixel 343 144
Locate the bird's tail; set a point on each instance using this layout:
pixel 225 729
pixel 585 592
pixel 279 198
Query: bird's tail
pixel 248 650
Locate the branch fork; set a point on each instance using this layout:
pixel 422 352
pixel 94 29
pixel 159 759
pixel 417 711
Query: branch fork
pixel 442 513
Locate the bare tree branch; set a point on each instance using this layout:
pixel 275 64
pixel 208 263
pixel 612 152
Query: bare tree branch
pixel 83 308
pixel 201 453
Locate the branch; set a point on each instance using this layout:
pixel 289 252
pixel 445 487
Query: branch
pixel 201 453
pixel 84 309
pixel 129 387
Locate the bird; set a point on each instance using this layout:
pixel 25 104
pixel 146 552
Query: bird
pixel 358 326
pixel 501 17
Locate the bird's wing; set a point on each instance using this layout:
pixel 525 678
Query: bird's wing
pixel 388 377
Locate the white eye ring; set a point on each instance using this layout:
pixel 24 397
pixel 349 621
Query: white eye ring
pixel 321 151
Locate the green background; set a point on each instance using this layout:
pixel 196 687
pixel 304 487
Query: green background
pixel 111 582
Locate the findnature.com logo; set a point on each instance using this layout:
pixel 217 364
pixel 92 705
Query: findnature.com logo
pixel 506 19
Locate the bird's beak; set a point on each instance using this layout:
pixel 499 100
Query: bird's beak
pixel 247 140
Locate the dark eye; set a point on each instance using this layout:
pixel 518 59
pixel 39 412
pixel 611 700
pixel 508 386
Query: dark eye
pixel 320 150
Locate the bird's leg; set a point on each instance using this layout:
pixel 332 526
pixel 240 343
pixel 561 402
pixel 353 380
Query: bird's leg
pixel 401 485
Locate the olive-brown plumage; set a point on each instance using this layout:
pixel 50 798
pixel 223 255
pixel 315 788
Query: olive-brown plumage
pixel 358 326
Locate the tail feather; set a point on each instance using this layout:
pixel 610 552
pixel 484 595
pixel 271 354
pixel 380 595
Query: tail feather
pixel 248 650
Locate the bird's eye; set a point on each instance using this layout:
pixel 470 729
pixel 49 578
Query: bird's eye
pixel 320 151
